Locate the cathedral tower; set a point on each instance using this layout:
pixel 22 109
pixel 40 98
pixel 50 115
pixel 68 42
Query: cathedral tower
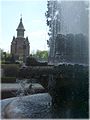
pixel 20 46
pixel 20 29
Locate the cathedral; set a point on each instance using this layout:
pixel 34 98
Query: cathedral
pixel 20 47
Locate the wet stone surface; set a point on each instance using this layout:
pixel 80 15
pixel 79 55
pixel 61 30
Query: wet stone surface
pixel 34 106
pixel 38 106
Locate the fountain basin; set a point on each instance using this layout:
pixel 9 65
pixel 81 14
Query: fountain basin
pixel 38 106
pixel 32 106
pixel 9 90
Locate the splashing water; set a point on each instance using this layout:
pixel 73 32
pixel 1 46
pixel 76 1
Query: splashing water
pixel 67 17
pixel 25 87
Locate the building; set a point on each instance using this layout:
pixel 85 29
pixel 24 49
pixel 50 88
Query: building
pixel 20 47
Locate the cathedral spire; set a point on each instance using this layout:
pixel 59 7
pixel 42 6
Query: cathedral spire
pixel 21 18
pixel 20 29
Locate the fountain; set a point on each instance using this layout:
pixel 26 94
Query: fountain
pixel 69 51
pixel 68 23
pixel 68 77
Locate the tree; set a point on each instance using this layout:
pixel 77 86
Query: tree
pixel 7 57
pixel 31 61
pixel 41 55
pixel 3 55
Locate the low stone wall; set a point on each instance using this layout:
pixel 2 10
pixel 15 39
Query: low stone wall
pixel 13 90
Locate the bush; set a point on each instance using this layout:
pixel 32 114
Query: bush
pixel 31 61
pixel 9 65
pixel 6 62
pixel 10 70
pixel 8 79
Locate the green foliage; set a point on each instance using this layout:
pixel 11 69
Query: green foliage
pixel 6 57
pixel 3 55
pixel 10 59
pixel 9 65
pixel 8 79
pixel 10 70
pixel 31 61
pixel 41 55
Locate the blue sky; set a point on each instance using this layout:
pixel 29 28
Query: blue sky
pixel 34 21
